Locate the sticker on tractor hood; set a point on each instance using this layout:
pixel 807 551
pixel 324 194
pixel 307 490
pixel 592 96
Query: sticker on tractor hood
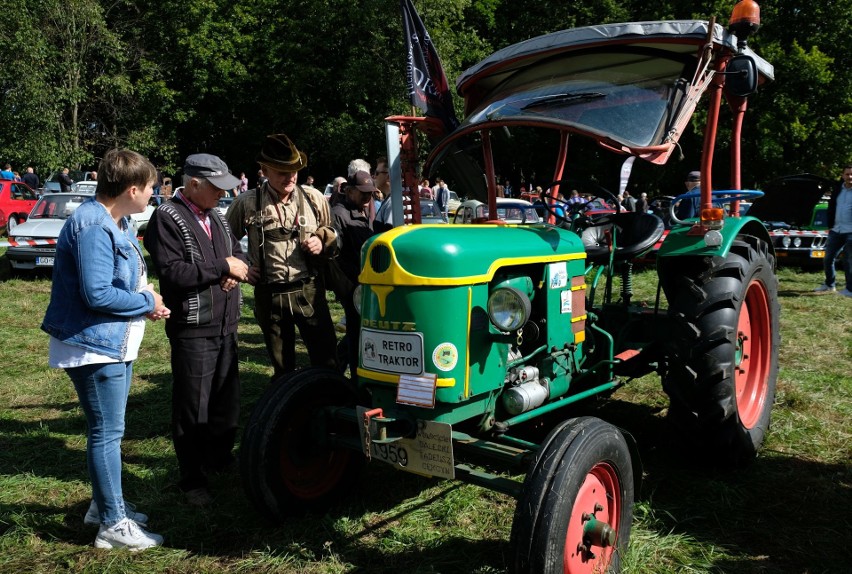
pixel 565 300
pixel 558 275
pixel 445 356
pixel 392 352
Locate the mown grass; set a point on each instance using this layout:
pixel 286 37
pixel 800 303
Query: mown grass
pixel 789 512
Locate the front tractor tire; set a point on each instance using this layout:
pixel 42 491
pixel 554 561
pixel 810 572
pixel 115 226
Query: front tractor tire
pixel 576 510
pixel 724 349
pixel 287 460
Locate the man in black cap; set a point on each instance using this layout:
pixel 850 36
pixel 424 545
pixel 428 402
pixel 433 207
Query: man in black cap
pixel 354 226
pixel 200 264
pixel 290 240
pixel 691 206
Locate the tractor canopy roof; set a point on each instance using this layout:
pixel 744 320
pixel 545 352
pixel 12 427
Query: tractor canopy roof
pixel 545 55
pixel 632 87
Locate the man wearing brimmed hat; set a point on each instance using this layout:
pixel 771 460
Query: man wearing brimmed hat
pixel 354 224
pixel 199 263
pixel 290 240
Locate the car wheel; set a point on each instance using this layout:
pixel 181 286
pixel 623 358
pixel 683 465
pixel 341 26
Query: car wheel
pixel 11 224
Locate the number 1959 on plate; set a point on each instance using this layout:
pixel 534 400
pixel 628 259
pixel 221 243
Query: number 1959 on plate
pixel 429 452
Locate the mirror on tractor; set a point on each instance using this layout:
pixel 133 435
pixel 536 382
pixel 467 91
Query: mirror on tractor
pixel 741 75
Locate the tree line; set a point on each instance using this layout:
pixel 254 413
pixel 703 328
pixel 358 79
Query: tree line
pixel 172 77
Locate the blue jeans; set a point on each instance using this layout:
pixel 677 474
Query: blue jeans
pixel 103 390
pixel 836 242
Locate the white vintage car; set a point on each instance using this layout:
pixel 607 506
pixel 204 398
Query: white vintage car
pixel 36 237
pixel 508 211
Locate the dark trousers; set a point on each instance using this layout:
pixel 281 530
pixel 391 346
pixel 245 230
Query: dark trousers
pixel 205 405
pixel 838 242
pixel 279 309
pixel 353 334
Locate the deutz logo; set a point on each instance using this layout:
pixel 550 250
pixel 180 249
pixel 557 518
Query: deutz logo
pixel 388 325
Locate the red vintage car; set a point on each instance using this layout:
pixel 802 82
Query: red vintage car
pixel 16 201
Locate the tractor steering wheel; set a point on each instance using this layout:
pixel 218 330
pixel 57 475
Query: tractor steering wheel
pixel 577 210
pixel 720 195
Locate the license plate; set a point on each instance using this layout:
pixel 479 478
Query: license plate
pixel 392 352
pixel 818 254
pixel 430 452
pixel 44 261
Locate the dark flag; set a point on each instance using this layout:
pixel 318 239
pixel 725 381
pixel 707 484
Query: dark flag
pixel 427 83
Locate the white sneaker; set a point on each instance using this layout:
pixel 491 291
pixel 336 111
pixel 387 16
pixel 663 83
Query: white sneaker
pixel 93 518
pixel 845 292
pixel 126 534
pixel 823 288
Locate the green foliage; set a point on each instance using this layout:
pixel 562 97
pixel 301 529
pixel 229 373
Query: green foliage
pixel 173 77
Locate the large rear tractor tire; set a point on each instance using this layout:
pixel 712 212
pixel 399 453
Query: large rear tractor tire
pixel 576 510
pixel 724 349
pixel 287 463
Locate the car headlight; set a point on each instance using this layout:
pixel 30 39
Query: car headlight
pixel 21 237
pixel 508 308
pixel 797 242
pixel 785 242
pixel 356 298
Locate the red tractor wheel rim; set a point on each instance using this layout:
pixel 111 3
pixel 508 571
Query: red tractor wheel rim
pixel 307 469
pixel 753 354
pixel 599 498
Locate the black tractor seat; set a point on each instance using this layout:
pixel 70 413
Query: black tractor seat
pixel 634 233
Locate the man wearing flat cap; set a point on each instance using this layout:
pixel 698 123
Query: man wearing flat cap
pixel 354 224
pixel 290 240
pixel 200 264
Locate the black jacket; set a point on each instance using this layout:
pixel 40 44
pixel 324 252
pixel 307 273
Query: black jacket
pixel 353 227
pixel 65 182
pixel 190 268
pixel 31 180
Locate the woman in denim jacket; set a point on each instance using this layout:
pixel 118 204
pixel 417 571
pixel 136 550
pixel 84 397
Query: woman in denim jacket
pixel 96 320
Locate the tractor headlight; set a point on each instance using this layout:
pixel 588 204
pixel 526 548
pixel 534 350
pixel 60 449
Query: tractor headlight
pixel 508 308
pixel 713 238
pixel 356 298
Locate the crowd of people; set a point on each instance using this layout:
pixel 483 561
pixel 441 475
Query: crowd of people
pixel 32 180
pixel 298 243
pixel 29 177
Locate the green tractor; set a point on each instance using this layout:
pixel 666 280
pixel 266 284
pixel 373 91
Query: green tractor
pixel 471 333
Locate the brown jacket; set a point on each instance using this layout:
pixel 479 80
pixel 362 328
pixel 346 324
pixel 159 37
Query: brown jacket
pixel 285 225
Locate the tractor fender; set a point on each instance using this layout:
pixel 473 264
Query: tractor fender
pixel 680 243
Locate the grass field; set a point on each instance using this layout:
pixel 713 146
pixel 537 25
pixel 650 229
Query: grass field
pixel 789 512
